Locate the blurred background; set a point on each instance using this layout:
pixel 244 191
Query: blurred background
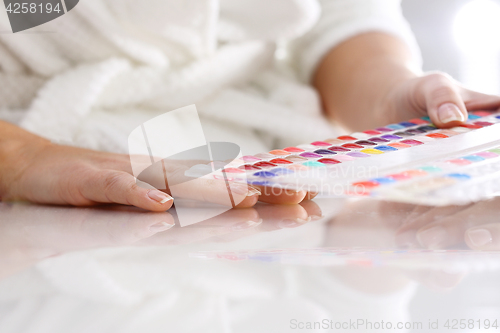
pixel 460 37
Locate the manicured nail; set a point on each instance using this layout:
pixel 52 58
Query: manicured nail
pixel 238 188
pixel 253 191
pixel 162 226
pixel 244 189
pixel 159 196
pixel 479 237
pixel 432 238
pixel 289 223
pixel 449 112
pixel 245 225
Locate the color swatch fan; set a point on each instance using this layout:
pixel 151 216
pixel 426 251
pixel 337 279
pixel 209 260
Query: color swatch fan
pixel 411 162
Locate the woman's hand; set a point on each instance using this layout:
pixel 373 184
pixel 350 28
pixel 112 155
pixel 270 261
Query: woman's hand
pixel 438 95
pixel 372 80
pixel 36 170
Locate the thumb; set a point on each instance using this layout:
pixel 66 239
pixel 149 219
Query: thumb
pixel 485 237
pixel 445 105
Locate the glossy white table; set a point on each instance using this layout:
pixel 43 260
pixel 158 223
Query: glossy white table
pixel 330 265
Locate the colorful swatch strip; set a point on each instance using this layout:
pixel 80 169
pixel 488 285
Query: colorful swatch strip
pixel 268 168
pixel 458 180
pixel 316 164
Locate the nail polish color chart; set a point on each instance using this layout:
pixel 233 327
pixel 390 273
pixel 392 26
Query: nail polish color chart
pixel 411 161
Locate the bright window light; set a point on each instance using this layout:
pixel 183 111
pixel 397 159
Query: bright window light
pixel 477 33
pixel 477 26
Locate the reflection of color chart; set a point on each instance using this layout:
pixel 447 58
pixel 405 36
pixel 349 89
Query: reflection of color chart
pixel 412 161
pixel 456 260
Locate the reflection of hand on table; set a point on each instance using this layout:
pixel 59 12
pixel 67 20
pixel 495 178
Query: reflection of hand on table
pixel 240 223
pixel 31 233
pixel 374 224
pixel 476 226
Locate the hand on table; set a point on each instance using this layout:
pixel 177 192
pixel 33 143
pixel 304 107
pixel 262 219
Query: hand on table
pixel 36 170
pixel 477 226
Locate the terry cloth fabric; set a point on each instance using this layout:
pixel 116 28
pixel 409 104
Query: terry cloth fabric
pixel 91 76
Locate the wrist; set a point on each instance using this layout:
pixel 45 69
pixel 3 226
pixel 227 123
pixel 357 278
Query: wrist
pixel 357 80
pixel 388 107
pixel 18 151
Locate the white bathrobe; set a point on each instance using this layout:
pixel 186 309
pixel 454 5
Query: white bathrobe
pixel 91 76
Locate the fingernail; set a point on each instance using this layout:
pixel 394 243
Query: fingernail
pixel 245 225
pixel 244 189
pixel 432 238
pixel 479 237
pixel 253 191
pixel 316 217
pixel 162 226
pixel 159 196
pixel 238 188
pixel 449 112
pixel 289 223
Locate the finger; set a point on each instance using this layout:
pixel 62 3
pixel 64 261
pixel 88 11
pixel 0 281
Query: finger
pixel 414 215
pixel 310 196
pixel 444 103
pixel 249 201
pixel 281 216
pixel 68 229
pixel 280 196
pixel 437 280
pixel 394 214
pixel 475 101
pixel 485 237
pixel 110 186
pixel 228 219
pixel 273 217
pixel 450 231
pixel 435 214
pixel 171 178
pixel 312 209
pixel 217 191
pixel 110 226
pixel 234 221
pixel 406 236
